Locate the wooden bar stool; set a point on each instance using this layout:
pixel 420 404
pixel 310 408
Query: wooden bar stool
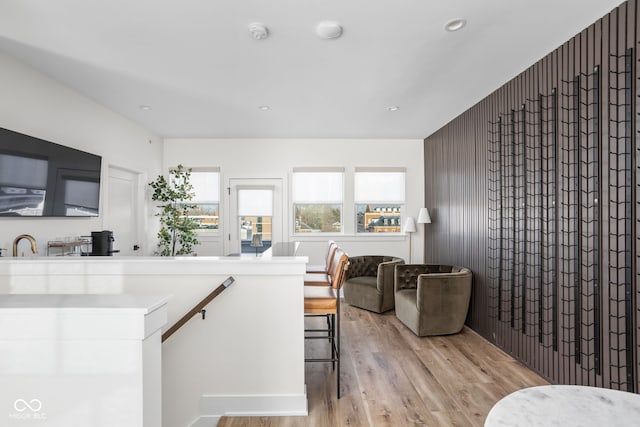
pixel 325 279
pixel 325 301
pixel 326 267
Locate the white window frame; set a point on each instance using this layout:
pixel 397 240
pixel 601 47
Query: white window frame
pixel 340 170
pixel 203 233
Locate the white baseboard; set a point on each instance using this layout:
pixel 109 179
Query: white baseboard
pixel 212 407
pixel 205 421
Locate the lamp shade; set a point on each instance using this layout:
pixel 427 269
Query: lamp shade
pixel 409 225
pixel 424 217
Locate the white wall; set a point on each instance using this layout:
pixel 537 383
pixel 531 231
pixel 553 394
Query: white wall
pixel 36 105
pixel 275 158
pixel 33 104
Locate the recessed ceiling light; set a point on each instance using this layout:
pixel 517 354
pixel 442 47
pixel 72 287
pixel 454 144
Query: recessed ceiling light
pixel 455 24
pixel 393 108
pixel 328 30
pixel 145 108
pixel 264 108
pixel 258 31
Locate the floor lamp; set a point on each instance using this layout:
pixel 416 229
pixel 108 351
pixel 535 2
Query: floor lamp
pixel 424 218
pixel 409 228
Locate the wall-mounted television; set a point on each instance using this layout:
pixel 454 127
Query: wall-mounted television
pixel 40 178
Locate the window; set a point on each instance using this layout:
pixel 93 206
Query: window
pixel 206 186
pixel 255 216
pixel 379 199
pixel 317 200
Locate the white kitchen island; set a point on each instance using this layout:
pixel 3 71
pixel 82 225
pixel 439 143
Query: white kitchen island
pixel 81 360
pixel 245 357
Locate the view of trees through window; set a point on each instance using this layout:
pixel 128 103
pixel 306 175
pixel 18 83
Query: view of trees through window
pixel 325 218
pixel 206 215
pixel 317 197
pixel 317 200
pixel 206 200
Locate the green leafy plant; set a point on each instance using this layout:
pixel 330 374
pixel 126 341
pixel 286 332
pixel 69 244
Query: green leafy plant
pixel 177 234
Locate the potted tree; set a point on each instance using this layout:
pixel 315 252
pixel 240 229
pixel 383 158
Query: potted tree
pixel 177 234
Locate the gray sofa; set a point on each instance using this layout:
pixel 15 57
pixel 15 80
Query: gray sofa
pixel 369 283
pixel 432 299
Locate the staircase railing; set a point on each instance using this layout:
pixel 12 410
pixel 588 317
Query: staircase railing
pixel 199 308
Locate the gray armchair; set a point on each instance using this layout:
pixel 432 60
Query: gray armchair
pixel 432 299
pixel 369 283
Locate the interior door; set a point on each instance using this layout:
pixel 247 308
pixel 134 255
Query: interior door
pixel 123 209
pixel 255 210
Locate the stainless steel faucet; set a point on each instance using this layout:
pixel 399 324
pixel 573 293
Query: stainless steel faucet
pixel 34 248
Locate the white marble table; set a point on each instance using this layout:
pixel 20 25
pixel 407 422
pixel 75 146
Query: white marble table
pixel 566 405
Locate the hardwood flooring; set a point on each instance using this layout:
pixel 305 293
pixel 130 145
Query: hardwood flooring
pixel 392 378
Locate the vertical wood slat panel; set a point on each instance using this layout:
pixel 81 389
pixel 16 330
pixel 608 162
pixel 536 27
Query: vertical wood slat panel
pixel 582 175
pixel 630 304
pixel 543 88
pixel 566 320
pixel 590 300
pixel 604 62
pixel 632 20
pixel 456 165
pixel 597 60
pixel 554 374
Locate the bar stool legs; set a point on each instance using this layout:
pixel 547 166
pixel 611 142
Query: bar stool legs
pixel 332 334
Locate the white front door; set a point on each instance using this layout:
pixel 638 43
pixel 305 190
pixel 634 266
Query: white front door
pixel 255 210
pixel 122 213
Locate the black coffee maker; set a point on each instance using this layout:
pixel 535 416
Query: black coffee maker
pixel 102 243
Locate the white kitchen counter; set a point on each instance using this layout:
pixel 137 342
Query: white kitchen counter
pixel 81 360
pixel 245 357
pixel 245 264
pixel 124 304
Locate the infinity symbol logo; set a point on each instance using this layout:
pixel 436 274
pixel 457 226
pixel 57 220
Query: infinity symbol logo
pixel 22 405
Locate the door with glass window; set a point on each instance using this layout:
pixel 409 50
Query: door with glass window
pixel 255 215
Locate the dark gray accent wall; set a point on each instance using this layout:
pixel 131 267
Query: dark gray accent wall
pixel 536 189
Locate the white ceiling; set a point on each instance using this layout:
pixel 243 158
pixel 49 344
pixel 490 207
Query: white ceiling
pixel 195 64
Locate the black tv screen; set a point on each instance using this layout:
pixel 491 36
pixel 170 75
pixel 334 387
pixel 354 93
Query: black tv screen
pixel 40 178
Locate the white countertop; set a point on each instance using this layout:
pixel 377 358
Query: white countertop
pixel 137 265
pixel 80 316
pixel 252 258
pixel 142 304
pixel 566 406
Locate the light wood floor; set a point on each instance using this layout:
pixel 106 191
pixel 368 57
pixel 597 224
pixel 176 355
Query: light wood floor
pixel 392 378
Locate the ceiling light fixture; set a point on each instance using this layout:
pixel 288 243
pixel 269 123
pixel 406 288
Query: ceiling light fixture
pixel 393 108
pixel 145 108
pixel 455 24
pixel 328 30
pixel 264 108
pixel 258 31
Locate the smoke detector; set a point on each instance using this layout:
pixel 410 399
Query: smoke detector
pixel 455 24
pixel 328 30
pixel 258 31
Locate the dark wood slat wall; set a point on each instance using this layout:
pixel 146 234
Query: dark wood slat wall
pixel 632 22
pixel 536 189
